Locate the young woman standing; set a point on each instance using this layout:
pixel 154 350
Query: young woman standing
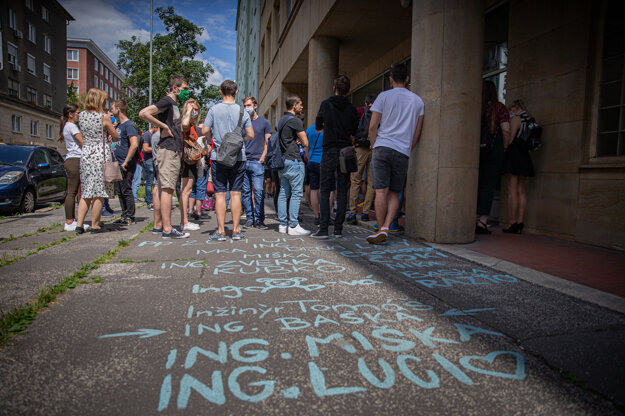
pixel 70 134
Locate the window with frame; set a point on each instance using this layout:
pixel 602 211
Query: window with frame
pixel 14 88
pixel 47 100
pixel 47 43
pixel 611 111
pixel 101 85
pixel 106 73
pixel 45 15
pixel 96 81
pixel 12 19
pixel 101 68
pixel 16 123
pixel 95 63
pixel 72 55
pixel 72 73
pixel 31 95
pixel 12 55
pixel 29 4
pixel 49 131
pixel 31 64
pixel 32 33
pixel 46 73
pixel 34 128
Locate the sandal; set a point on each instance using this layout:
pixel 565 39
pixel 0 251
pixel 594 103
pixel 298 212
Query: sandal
pixel 481 228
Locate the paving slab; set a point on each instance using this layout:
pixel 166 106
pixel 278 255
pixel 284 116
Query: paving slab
pixel 276 324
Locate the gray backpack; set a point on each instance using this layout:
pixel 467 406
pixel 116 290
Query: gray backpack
pixel 231 145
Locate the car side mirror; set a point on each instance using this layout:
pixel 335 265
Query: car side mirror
pixel 43 165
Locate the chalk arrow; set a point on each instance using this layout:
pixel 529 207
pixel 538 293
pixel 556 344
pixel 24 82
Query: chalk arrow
pixel 454 311
pixel 143 333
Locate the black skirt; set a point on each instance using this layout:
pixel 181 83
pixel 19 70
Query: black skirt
pixel 517 161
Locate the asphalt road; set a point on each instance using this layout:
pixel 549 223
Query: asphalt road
pixel 276 324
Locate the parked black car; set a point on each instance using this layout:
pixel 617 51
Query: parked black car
pixel 30 175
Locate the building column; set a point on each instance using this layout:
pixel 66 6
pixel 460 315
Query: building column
pixel 441 193
pixel 323 66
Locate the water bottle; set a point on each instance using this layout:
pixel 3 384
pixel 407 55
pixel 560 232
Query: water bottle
pixel 302 152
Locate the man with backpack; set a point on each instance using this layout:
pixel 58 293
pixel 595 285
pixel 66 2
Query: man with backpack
pixel 338 119
pixel 363 155
pixel 125 154
pixel 290 133
pixel 224 122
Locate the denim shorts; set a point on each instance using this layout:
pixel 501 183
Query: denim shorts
pixel 225 178
pixel 388 169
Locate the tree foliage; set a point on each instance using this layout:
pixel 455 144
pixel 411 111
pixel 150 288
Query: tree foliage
pixel 173 54
pixel 73 98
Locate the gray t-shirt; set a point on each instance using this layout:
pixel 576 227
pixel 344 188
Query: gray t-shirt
pixel 223 118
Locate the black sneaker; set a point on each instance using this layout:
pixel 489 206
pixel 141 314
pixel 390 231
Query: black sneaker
pixel 79 230
pixel 261 226
pixel 317 220
pixel 157 230
pixel 195 216
pixel 96 230
pixel 364 217
pixel 352 219
pixel 151 207
pixel 175 234
pixel 130 221
pixel 121 220
pixel 320 235
pixel 338 234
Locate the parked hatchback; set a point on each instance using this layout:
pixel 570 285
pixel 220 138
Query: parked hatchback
pixel 30 175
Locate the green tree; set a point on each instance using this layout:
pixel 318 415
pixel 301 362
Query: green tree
pixel 73 98
pixel 173 54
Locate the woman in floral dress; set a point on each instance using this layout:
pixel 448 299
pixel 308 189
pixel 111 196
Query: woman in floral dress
pixel 95 149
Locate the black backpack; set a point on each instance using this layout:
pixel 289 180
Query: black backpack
pixel 529 134
pixel 362 133
pixel 274 158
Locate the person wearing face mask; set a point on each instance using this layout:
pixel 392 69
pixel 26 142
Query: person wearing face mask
pixel 190 118
pixel 255 152
pixel 166 115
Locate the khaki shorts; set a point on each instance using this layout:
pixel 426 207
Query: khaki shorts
pixel 168 168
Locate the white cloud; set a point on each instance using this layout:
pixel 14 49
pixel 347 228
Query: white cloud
pixel 100 22
pixel 204 37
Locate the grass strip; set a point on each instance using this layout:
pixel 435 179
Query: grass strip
pixel 6 261
pixel 39 231
pixel 17 321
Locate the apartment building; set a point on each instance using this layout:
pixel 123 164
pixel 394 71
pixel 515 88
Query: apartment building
pixel 33 37
pixel 248 42
pixel 564 59
pixel 89 67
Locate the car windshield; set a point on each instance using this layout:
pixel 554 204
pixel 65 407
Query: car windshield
pixel 14 156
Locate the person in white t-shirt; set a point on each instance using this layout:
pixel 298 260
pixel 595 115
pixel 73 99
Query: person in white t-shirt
pixel 70 134
pixel 399 114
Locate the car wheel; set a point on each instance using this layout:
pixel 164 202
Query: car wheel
pixel 28 201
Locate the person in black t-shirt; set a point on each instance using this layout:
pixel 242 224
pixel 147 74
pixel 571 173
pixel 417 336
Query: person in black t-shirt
pixel 292 175
pixel 166 115
pixel 125 154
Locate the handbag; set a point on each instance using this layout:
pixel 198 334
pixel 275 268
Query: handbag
pixel 347 160
pixel 192 151
pixel 110 169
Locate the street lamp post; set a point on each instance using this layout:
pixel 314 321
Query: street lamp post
pixel 150 87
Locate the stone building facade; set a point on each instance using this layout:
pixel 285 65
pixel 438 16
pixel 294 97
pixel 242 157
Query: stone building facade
pixel 564 59
pixel 32 71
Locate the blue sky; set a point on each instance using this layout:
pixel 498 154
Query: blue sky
pixel 108 22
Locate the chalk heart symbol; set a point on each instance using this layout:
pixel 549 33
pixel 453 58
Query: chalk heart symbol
pixel 519 374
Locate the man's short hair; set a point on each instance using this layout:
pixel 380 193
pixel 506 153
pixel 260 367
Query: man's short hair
pixel 369 99
pixel 228 88
pixel 122 106
pixel 252 99
pixel 291 100
pixel 342 84
pixel 399 72
pixel 176 81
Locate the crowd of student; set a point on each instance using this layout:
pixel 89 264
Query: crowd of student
pixel 346 150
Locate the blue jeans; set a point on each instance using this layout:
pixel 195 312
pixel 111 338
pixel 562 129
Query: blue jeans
pixel 136 180
pixel 254 178
pixel 291 186
pixel 148 168
pixel 198 191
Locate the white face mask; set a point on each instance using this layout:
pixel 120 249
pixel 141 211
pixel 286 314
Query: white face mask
pixel 250 111
pixel 194 114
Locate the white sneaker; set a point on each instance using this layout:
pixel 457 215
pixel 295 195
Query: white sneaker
pixel 190 227
pixel 298 230
pixel 282 229
pixel 70 227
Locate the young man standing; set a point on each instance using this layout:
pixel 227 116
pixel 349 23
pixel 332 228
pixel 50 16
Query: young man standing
pixel 221 119
pixel 338 119
pixel 292 175
pixel 166 115
pixel 148 165
pixel 255 152
pixel 125 154
pixel 399 113
pixel 363 155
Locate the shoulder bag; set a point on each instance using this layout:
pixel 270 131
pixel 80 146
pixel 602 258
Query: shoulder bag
pixel 110 169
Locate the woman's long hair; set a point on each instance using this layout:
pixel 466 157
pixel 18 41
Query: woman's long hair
pixel 95 100
pixel 489 96
pixel 69 108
